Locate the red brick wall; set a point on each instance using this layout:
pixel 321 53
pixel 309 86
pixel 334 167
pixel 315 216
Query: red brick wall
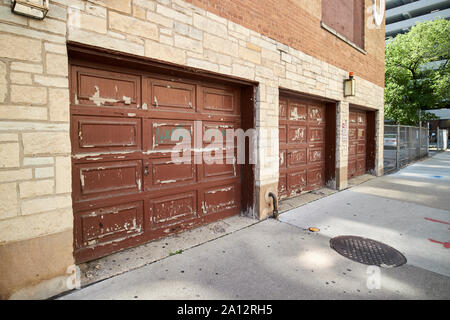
pixel 297 23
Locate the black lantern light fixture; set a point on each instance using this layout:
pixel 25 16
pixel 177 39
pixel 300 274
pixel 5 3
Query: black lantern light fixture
pixel 350 85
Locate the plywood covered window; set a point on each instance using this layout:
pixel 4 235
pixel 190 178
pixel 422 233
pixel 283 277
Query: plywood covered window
pixel 346 17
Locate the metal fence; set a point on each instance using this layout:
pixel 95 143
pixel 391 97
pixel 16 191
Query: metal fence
pixel 403 144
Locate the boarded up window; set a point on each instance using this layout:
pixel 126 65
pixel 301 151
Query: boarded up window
pixel 346 17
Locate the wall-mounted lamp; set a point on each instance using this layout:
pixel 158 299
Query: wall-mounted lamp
pixel 36 9
pixel 349 86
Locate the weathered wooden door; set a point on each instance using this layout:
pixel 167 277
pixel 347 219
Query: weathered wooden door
pixel 357 137
pixel 302 146
pixel 127 189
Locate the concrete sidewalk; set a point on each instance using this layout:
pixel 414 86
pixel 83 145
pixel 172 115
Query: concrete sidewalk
pixel 408 210
pixel 272 259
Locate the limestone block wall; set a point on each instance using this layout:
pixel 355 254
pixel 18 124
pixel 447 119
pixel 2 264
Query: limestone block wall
pixel 35 163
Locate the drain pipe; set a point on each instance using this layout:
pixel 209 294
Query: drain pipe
pixel 275 207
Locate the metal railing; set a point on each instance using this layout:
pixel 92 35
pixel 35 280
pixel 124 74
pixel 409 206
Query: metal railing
pixel 402 145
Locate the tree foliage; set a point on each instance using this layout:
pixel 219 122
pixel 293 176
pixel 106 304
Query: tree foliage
pixel 411 85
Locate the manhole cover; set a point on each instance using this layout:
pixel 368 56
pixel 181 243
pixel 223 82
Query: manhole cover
pixel 367 251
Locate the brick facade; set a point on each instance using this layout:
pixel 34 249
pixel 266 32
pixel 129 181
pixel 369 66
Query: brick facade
pixel 279 44
pixel 297 24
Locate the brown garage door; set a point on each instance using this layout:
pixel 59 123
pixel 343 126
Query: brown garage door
pixel 357 143
pixel 126 188
pixel 302 146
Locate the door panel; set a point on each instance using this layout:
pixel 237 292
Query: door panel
pixel 165 172
pixel 297 157
pixel 298 112
pixel 220 198
pixel 169 210
pixel 171 95
pixel 219 101
pixel 162 131
pixel 93 134
pixel 297 134
pixel 108 224
pixel 100 88
pixel 105 179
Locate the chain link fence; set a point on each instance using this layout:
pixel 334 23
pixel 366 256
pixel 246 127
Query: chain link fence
pixel 402 145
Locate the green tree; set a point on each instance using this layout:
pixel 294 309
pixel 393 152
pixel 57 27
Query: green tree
pixel 412 86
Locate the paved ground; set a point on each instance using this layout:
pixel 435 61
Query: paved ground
pixel 137 257
pixel 408 210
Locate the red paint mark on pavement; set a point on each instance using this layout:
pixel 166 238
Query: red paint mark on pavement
pixel 445 244
pixel 439 221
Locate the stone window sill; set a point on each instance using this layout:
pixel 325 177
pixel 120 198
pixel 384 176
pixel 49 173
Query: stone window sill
pixel 342 37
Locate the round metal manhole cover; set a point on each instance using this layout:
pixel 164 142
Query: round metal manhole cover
pixel 367 251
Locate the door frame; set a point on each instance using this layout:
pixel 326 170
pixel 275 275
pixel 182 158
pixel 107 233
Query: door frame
pixel 371 143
